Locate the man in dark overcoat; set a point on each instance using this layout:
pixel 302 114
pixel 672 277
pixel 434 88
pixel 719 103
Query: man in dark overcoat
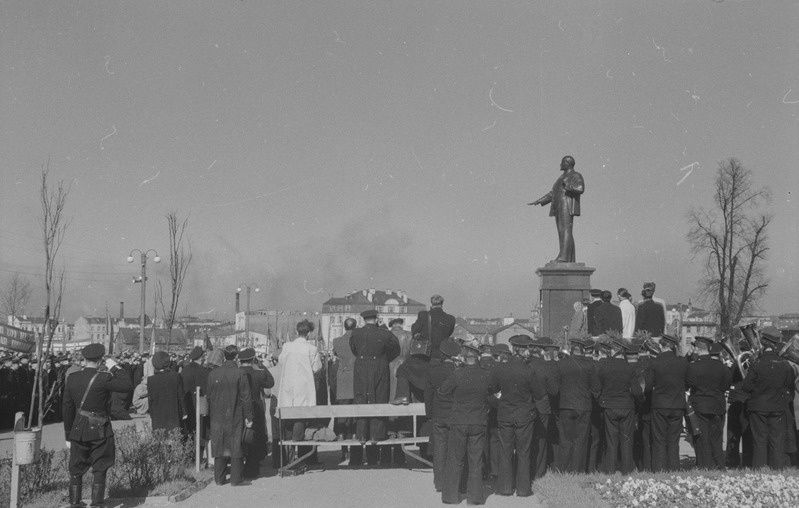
pixel 195 376
pixel 345 359
pixel 649 315
pixel 612 385
pixel 374 348
pixel 438 407
pixel 435 325
pixel 668 374
pixel 230 409
pixel 607 316
pixel 260 380
pixel 574 374
pixel 165 395
pixel 545 432
pixel 89 434
pixel 770 385
pixel 516 412
pixel 708 379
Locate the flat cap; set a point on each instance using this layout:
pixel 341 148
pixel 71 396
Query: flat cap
pixel 231 349
pixel 716 349
pixel 450 347
pixel 247 354
pixel 215 357
pixel 93 351
pixel 596 293
pixel 521 340
pixel 471 346
pixel 161 360
pixel 369 313
pixel 544 342
pixel 196 353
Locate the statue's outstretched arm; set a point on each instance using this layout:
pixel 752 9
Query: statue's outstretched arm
pixel 543 200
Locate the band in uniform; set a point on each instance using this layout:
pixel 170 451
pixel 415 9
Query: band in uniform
pixel 89 434
pixel 575 374
pixel 545 432
pixel 438 407
pixel 668 405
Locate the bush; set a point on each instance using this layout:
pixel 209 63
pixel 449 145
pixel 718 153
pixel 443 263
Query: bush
pixel 146 463
pixel 49 474
pixel 147 459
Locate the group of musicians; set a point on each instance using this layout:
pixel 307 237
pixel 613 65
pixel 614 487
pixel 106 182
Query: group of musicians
pixel 608 404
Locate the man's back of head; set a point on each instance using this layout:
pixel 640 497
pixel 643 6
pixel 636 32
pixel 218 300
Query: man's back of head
pixel 436 300
pixel 350 324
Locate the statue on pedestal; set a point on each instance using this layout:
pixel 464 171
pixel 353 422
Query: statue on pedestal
pixel 565 199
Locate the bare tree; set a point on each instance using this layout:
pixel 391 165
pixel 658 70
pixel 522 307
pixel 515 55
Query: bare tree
pixel 16 295
pixel 54 226
pixel 733 238
pixel 179 259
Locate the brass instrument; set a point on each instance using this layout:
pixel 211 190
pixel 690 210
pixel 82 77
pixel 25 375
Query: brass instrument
pixel 752 336
pixel 790 351
pixel 743 359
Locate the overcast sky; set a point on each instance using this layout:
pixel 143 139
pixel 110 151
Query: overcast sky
pixel 323 147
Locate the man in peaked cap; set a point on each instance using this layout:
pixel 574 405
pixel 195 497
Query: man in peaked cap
pixel 668 379
pixel 708 380
pixel 574 378
pixel 90 437
pixel 195 378
pixel 612 384
pixel 769 383
pixel 374 348
pixel 438 407
pixel 545 432
pixel 260 379
pixel 468 387
pixel 520 388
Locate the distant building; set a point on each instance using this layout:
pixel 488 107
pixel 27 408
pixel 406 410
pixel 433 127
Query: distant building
pixel 388 303
pixel 128 339
pixel 688 321
pixel 36 325
pixel 492 330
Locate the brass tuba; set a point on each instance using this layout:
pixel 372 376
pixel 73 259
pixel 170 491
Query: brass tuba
pixel 743 359
pixel 752 336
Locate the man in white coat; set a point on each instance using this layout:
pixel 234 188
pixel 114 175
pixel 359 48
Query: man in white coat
pixel 299 360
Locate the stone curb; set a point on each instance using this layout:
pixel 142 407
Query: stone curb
pixel 190 490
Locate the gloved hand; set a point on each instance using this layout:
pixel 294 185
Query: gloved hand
pixel 110 363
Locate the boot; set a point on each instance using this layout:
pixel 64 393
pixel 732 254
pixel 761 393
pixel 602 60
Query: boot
pixel 98 494
pixel 76 495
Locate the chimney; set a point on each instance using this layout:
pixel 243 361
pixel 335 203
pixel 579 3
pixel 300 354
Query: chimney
pixel 237 302
pixel 121 310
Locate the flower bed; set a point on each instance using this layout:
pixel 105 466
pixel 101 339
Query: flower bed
pixel 756 489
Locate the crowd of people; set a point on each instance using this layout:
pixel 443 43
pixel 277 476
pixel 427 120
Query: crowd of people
pixel 617 397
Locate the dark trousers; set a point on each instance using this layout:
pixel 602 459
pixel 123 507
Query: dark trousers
pixel 666 428
pixel 236 470
pixel 541 450
pixel 575 426
pixel 768 439
pixel 739 434
pixel 709 443
pixel 619 428
pixel 595 440
pixel 642 443
pixel 518 437
pixel 370 429
pixel 98 454
pixel 465 443
pixel 492 449
pixel 346 427
pixel 438 440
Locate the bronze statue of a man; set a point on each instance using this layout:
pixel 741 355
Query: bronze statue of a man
pixel 565 199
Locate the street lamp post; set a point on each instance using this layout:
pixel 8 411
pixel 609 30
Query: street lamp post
pixel 247 312
pixel 143 280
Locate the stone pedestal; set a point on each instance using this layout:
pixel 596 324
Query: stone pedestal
pixel 562 284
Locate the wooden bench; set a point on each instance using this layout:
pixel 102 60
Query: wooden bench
pixel 353 411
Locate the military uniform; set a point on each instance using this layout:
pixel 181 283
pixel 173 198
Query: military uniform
pixel 770 383
pixel 260 379
pixel 612 385
pixel 545 432
pixel 708 380
pixel 668 376
pixel 438 407
pixel 468 387
pixel 87 425
pixel 519 388
pixel 574 374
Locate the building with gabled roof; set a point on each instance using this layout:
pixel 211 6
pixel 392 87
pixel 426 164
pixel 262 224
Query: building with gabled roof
pixel 128 339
